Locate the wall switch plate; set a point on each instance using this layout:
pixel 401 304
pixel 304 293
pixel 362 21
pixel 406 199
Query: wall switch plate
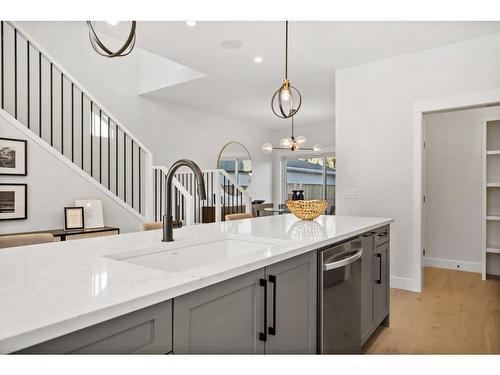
pixel 351 193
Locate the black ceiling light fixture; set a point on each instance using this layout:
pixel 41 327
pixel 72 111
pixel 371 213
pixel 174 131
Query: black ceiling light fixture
pixel 287 100
pixel 291 144
pixel 102 50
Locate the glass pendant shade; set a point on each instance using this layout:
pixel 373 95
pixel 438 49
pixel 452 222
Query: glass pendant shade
pixel 102 50
pixel 286 142
pixel 301 140
pixel 286 101
pixel 267 148
pixel 317 148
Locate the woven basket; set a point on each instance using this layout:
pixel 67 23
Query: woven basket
pixel 307 210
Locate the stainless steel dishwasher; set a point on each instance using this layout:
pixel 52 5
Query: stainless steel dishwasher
pixel 339 298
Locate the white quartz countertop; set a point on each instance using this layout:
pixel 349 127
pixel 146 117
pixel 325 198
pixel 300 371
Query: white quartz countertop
pixel 53 289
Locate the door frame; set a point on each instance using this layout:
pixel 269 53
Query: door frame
pixel 420 108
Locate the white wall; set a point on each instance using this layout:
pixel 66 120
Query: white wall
pixel 170 131
pixel 52 185
pixel 374 132
pixel 454 188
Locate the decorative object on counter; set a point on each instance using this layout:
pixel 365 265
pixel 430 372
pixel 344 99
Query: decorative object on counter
pixel 235 159
pixel 13 157
pixel 307 210
pixel 290 144
pixel 73 218
pixel 13 201
pixel 300 195
pixel 102 50
pixel 287 100
pixel 295 195
pixel 93 215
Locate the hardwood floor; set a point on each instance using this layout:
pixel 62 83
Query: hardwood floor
pixel 457 313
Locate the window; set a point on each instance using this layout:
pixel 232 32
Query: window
pixel 314 175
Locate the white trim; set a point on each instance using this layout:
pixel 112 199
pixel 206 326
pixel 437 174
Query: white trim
pixel 420 108
pixel 78 84
pixel 35 138
pixel 453 264
pixel 457 102
pixel 403 283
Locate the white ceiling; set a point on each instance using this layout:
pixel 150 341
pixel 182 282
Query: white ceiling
pixel 237 87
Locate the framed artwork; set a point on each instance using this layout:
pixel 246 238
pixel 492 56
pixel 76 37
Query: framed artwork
pixel 92 212
pixel 74 218
pixel 13 157
pixel 13 201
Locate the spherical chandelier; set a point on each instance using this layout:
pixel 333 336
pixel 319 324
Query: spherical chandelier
pixel 102 50
pixel 287 100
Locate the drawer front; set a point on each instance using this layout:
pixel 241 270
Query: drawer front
pixel 382 235
pixel 147 331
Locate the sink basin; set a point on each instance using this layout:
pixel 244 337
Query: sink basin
pixel 179 256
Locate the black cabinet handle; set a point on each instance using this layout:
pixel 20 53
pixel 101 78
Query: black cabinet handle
pixel 379 256
pixel 263 335
pixel 369 234
pixel 272 330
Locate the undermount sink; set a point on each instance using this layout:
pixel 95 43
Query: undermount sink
pixel 182 255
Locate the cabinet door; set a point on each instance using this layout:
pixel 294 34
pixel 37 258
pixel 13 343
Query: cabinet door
pixel 367 286
pixel 292 307
pixel 148 331
pixel 381 288
pixel 224 318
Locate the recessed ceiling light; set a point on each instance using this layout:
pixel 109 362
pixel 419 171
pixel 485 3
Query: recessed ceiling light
pixel 112 23
pixel 191 23
pixel 231 44
pixel 257 59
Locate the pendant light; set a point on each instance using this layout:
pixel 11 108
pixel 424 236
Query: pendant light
pixel 102 50
pixel 287 100
pixel 291 144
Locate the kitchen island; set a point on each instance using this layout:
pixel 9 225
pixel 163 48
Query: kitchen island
pixel 50 292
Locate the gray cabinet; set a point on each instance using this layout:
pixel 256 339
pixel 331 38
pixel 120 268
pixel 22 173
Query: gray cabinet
pixel 292 306
pixel 375 291
pixel 147 331
pixel 271 310
pixel 223 318
pixel 367 285
pixel 381 286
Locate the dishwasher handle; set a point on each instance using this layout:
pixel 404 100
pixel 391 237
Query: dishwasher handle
pixel 345 261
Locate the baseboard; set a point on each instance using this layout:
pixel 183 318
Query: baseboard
pixel 404 283
pixel 453 264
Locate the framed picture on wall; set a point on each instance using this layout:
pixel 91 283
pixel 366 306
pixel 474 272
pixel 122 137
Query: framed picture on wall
pixel 13 201
pixel 73 218
pixel 13 157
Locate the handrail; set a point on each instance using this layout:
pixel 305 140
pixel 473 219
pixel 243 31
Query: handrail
pixel 233 181
pixel 69 109
pixel 189 218
pixel 81 87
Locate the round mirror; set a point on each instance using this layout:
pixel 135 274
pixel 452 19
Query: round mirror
pixel 234 158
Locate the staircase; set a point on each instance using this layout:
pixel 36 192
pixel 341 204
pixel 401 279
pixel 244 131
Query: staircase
pixel 54 109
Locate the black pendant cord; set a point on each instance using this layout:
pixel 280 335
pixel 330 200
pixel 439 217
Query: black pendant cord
pixel 286 49
pixel 293 138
